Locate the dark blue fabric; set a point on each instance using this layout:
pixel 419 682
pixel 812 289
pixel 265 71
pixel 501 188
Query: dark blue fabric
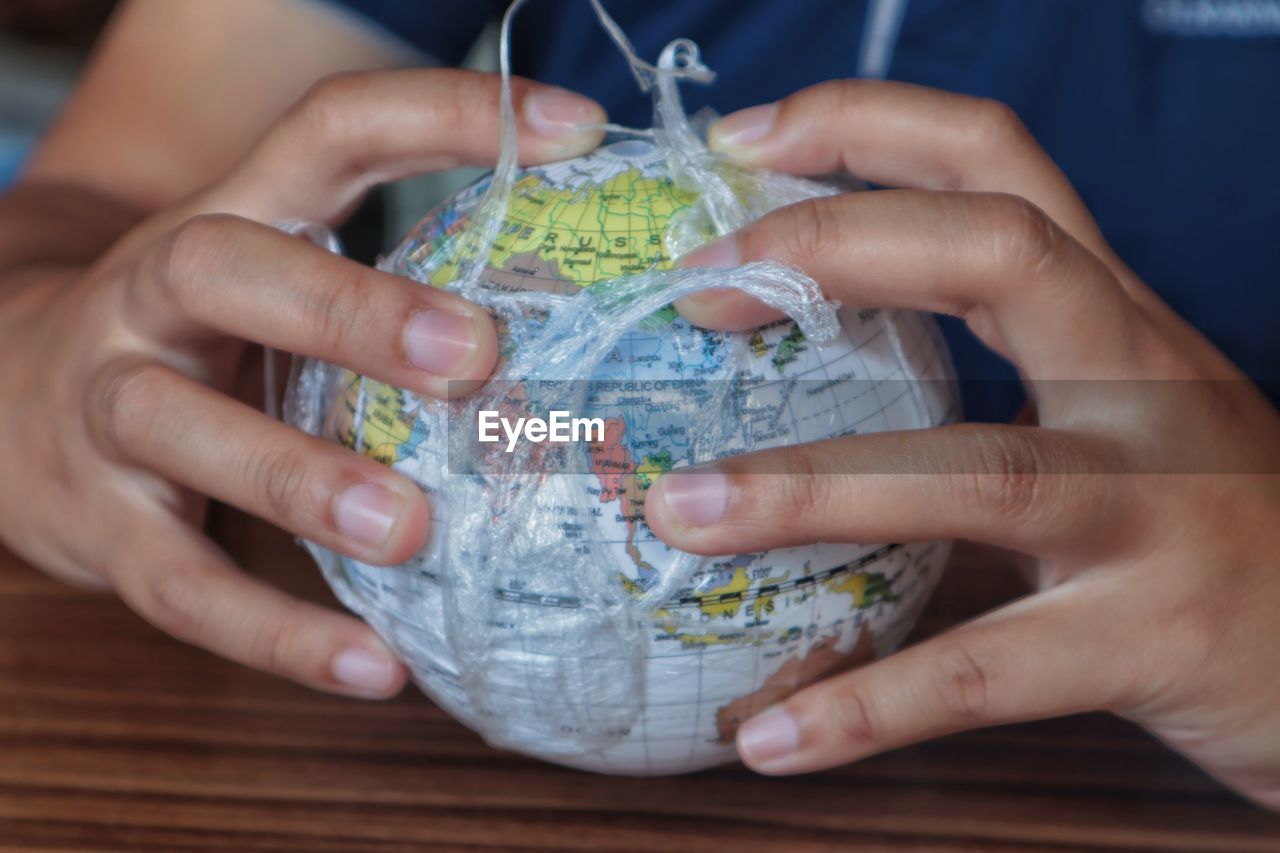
pixel 1170 133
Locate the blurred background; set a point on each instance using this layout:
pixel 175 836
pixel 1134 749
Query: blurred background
pixel 45 43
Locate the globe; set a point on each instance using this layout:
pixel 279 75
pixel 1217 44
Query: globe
pixel 743 631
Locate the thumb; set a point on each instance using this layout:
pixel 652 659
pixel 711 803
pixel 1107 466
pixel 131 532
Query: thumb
pixel 353 131
pixel 1044 656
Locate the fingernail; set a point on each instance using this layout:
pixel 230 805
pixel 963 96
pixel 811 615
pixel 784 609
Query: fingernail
pixel 366 513
pixel 743 128
pixel 440 343
pixel 365 671
pixel 768 738
pixel 557 114
pixel 723 254
pixel 703 299
pixel 696 498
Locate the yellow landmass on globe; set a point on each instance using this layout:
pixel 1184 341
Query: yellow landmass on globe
pixel 584 235
pixel 710 638
pixel 651 468
pixel 865 589
pixel 738 583
pixel 764 603
pixel 853 584
pixel 387 426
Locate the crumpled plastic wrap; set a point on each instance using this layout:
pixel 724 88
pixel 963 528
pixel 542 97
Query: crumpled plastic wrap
pixel 520 622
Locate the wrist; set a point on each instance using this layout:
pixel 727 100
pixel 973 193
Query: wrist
pixel 48 224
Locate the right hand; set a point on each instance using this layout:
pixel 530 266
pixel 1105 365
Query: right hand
pixel 116 379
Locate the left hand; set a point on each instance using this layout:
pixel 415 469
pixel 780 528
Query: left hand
pixel 1147 492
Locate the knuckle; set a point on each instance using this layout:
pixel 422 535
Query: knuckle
pixel 996 125
pixel 841 97
pixel 1027 240
pixel 460 98
pixel 183 257
pixel 806 488
pixel 812 230
pixel 324 108
pixel 281 478
pixel 122 399
pixel 172 600
pixel 963 683
pixel 853 717
pixel 1007 481
pixel 333 313
pixel 274 647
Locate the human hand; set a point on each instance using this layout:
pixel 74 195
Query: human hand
pixel 116 378
pixel 1147 494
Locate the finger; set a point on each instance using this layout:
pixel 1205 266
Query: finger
pixel 249 281
pixel 900 135
pixel 160 420
pixel 1045 656
pixel 355 130
pixel 1024 488
pixel 182 584
pixel 1025 287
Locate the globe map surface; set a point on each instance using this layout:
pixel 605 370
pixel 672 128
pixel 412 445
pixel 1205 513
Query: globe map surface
pixel 747 629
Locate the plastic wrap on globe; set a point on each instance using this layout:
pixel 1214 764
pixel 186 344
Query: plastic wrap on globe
pixel 544 613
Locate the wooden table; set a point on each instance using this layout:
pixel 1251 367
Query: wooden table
pixel 113 736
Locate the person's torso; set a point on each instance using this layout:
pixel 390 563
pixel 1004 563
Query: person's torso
pixel 1163 113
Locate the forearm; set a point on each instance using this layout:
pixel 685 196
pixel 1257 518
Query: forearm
pixel 179 90
pixel 149 124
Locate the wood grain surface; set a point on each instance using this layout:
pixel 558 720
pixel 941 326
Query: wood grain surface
pixel 114 737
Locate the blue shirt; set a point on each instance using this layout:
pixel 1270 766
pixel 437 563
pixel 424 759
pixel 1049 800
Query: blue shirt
pixel 1165 114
